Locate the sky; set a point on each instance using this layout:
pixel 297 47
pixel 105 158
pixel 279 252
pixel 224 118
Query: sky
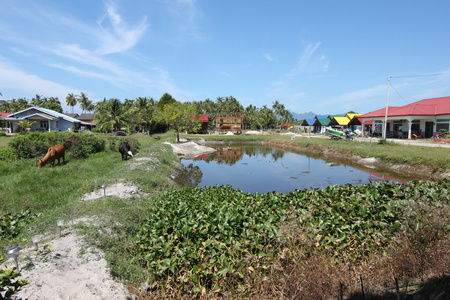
pixel 324 56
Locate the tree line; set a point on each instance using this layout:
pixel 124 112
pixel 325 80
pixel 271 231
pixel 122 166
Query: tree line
pixel 146 114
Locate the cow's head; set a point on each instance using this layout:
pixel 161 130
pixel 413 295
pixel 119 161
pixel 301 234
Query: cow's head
pixel 130 154
pixel 39 163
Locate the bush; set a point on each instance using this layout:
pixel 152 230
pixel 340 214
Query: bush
pixel 7 154
pixel 2 133
pixel 114 142
pixel 36 144
pixel 29 145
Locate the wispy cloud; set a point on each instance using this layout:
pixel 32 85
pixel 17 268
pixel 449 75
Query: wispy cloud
pixel 310 61
pixel 373 97
pixel 269 57
pixel 13 78
pixel 115 35
pixel 186 15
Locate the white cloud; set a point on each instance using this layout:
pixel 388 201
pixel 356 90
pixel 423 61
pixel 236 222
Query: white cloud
pixel 310 61
pixel 185 15
pixel 269 57
pixel 18 81
pixel 118 37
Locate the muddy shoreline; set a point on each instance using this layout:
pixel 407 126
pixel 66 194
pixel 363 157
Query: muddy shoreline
pixel 401 171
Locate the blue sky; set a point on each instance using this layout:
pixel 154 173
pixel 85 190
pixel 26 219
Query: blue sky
pixel 322 56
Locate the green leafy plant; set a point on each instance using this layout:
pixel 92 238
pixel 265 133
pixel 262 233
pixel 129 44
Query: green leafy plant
pixel 12 224
pixel 8 284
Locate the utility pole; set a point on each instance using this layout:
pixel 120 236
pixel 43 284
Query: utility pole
pixel 387 105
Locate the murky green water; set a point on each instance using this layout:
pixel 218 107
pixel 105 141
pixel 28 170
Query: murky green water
pixel 257 168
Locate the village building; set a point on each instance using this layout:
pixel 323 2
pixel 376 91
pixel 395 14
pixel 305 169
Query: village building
pixel 421 119
pixel 229 122
pixel 44 120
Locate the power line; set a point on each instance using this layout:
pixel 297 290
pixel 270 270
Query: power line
pixel 424 75
pixel 399 94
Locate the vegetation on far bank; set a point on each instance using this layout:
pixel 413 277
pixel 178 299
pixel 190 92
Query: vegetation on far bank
pixel 220 242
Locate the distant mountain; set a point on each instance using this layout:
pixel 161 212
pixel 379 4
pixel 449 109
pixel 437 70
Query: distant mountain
pixel 303 116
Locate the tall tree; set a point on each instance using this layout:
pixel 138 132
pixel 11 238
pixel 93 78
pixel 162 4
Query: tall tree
pixel 165 99
pixel 84 102
pixel 71 100
pixel 111 115
pixel 52 103
pixel 180 117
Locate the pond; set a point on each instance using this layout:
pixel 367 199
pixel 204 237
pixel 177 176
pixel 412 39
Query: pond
pixel 256 168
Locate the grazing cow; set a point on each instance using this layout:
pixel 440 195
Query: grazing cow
pixel 54 153
pixel 124 149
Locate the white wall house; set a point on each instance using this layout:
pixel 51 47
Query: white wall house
pixel 423 118
pixel 45 120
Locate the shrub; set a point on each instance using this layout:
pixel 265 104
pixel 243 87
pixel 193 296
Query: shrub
pixel 2 133
pixel 29 145
pixel 7 284
pixel 7 154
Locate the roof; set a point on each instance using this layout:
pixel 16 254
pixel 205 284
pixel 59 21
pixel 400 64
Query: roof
pixel 426 107
pixel 350 116
pixel 72 115
pixel 308 122
pixel 339 121
pixel 357 120
pixel 86 117
pixel 43 110
pixel 204 118
pixel 3 115
pixel 322 121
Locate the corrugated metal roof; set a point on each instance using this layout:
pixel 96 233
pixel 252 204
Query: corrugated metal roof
pixel 426 107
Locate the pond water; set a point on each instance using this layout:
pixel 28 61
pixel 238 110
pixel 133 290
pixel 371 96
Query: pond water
pixel 256 168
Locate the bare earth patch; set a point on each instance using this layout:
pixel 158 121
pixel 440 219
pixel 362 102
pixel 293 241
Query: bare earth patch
pixel 70 270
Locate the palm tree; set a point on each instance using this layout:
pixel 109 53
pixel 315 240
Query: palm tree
pixel 84 102
pixel 71 100
pixel 110 115
pixel 25 125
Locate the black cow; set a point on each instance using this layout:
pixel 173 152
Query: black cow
pixel 124 149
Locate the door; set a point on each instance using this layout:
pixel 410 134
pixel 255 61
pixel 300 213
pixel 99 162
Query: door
pixel 428 129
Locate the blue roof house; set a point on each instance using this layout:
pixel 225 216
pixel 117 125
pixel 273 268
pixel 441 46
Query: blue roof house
pixel 45 120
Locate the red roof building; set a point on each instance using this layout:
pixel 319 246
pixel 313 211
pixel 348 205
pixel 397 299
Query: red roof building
pixel 423 118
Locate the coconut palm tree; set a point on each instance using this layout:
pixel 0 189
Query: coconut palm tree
pixel 110 115
pixel 71 100
pixel 84 102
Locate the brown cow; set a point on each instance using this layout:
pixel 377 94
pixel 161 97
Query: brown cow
pixel 53 153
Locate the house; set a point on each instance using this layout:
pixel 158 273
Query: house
pixel 229 122
pixel 205 121
pixel 45 120
pixel 321 123
pixel 423 118
pixel 307 125
pixel 3 123
pixel 342 122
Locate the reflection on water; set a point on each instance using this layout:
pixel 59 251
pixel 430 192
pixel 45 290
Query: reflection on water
pixel 256 168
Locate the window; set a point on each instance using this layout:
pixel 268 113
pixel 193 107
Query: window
pixel 415 126
pixel 57 124
pixel 442 124
pixel 44 124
